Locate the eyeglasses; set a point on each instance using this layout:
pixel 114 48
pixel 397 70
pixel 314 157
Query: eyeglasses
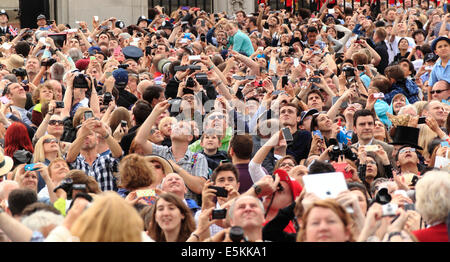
pixel 49 140
pixel 188 98
pixel 437 91
pixel 407 149
pixel 212 117
pixel 153 130
pixel 287 164
pixel 371 162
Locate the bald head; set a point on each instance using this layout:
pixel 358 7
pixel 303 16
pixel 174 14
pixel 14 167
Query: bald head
pixel 174 183
pixel 6 187
pixel 142 86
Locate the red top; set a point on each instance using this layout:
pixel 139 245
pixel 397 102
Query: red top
pixel 436 233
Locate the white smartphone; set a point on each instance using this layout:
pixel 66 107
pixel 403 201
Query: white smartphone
pixel 331 11
pixel 194 58
pixel 325 185
pixel 296 62
pixel 96 18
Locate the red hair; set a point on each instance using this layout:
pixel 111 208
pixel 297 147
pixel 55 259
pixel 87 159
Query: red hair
pixel 16 138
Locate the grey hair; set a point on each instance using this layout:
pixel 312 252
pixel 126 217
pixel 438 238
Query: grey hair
pixel 4 184
pixel 231 210
pixel 75 54
pixel 41 219
pixel 57 71
pixel 406 107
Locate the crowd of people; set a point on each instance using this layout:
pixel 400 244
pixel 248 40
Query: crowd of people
pixel 279 125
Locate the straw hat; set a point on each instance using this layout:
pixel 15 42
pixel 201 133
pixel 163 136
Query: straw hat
pixel 12 62
pixel 167 167
pixel 6 163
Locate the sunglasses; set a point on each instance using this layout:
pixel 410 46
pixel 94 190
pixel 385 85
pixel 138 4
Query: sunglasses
pixel 153 130
pixel 55 122
pixel 437 91
pixel 404 150
pixel 49 140
pixel 216 117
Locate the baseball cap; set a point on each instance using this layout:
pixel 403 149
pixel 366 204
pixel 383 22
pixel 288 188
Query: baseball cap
pixel 121 77
pixel 430 57
pixel 310 112
pixel 295 187
pixel 41 16
pixel 93 50
pixel 434 43
pixel 132 52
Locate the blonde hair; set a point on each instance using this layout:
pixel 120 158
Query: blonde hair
pixel 419 106
pixel 39 154
pixel 426 136
pixel 333 206
pixel 433 196
pixel 36 96
pixel 109 219
pixel 164 120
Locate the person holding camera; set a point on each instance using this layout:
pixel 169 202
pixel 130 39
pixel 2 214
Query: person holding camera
pixel 83 153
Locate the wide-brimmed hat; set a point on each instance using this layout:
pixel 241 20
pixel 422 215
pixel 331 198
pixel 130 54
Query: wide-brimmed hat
pixel 406 136
pixel 6 163
pixel 12 62
pixel 167 167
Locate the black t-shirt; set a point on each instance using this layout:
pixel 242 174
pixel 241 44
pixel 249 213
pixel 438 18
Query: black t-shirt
pixel 126 99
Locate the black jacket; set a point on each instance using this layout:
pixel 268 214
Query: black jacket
pixel 214 160
pixel 381 49
pixel 273 230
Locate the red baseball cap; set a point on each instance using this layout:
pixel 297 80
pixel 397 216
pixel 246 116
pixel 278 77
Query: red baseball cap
pixel 296 188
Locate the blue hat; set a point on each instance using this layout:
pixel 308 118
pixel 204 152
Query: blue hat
pixel 93 50
pixel 132 52
pixel 121 77
pixel 433 45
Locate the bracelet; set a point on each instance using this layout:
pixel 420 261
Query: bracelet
pixel 211 68
pixel 396 233
pixel 257 189
pixel 195 235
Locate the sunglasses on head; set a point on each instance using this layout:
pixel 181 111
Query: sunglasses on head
pixel 407 149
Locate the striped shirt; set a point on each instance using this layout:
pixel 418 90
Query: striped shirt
pixel 194 163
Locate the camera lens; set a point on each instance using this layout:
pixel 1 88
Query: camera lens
pixel 236 234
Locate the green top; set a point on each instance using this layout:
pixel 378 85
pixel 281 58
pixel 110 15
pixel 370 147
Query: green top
pixel 241 43
pixel 195 147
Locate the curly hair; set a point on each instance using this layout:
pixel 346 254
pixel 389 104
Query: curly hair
pixel 135 172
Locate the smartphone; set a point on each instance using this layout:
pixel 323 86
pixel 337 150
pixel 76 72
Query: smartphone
pixel 92 58
pixel 422 120
pixel 96 18
pixel 194 58
pixel 330 11
pixel 314 80
pixel 318 133
pixel 360 67
pixel 389 209
pixel 174 101
pixel 287 134
pixel 407 207
pixel 296 62
pixel 378 95
pixel 145 193
pixel 59 104
pixel 284 80
pixel 203 23
pixel 221 191
pixel 4 100
pixel 30 167
pixel 340 167
pixel 277 92
pixel 371 148
pixel 444 144
pixel 88 114
pixel 123 123
pixel 219 214
pixel 72 30
pixel 225 161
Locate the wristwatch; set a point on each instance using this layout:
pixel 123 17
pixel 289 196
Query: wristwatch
pixel 257 189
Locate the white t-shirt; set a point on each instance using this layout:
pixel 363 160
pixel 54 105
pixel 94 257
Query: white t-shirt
pixel 392 47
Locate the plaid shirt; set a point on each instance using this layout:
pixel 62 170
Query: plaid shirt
pixel 102 169
pixel 194 163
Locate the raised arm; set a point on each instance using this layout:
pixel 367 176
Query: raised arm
pixel 144 131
